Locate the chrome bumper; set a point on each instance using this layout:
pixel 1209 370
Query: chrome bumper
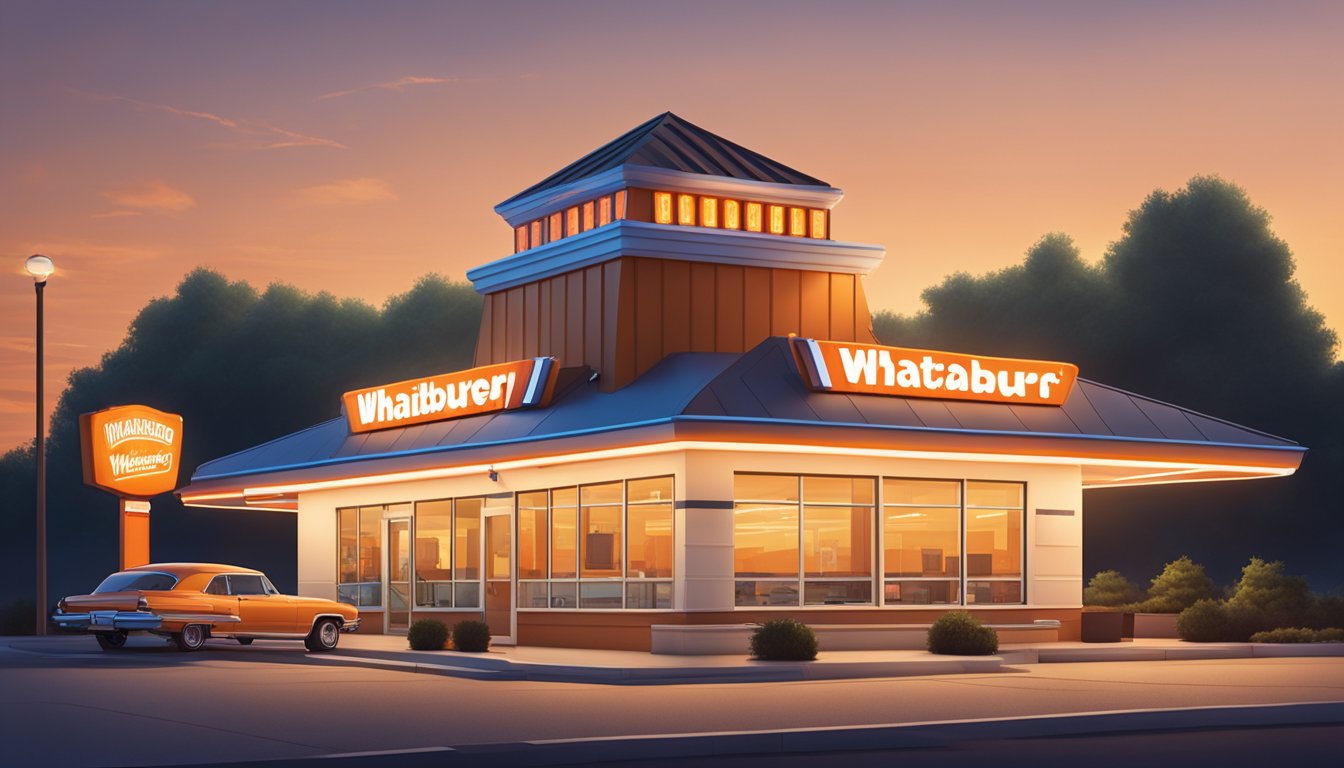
pixel 107 621
pixel 351 625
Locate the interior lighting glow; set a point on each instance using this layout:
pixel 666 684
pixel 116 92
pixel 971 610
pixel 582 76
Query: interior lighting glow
pixel 686 210
pixel 662 207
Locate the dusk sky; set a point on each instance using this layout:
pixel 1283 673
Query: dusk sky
pixel 353 147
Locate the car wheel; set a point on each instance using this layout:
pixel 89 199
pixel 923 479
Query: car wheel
pixel 111 641
pixel 245 640
pixel 324 637
pixel 191 638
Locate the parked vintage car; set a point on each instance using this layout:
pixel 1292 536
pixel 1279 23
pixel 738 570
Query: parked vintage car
pixel 191 602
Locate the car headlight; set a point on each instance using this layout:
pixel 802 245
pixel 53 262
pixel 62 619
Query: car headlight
pixel 142 604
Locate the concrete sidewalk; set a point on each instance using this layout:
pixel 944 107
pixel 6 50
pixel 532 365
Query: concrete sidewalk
pixel 632 667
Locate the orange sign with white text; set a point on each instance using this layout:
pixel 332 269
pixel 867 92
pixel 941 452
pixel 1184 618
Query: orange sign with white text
pixel 869 369
pixel 131 450
pixel 498 387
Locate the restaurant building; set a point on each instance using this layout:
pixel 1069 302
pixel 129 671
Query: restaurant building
pixel 680 422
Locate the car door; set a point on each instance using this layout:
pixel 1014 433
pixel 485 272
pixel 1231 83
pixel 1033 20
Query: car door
pixel 262 610
pixel 216 595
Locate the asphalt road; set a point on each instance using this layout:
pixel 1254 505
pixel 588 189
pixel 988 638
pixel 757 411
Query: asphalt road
pixel 151 705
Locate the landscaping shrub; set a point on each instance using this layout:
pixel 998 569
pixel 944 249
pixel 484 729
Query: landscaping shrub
pixel 427 635
pixel 784 640
pixel 958 633
pixel 1109 588
pixel 1285 635
pixel 1299 635
pixel 1326 612
pixel 1265 598
pixel 1207 621
pixel 1180 585
pixel 471 636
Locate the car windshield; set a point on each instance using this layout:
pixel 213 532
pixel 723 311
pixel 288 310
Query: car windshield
pixel 133 581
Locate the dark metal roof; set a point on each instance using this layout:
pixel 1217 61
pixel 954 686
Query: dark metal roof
pixel 761 385
pixel 668 141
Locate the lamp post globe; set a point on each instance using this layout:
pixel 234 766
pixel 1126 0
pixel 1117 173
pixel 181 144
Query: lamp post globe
pixel 40 267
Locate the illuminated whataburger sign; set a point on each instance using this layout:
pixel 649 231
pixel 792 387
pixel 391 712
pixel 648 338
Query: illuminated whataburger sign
pixel 868 369
pixel 131 450
pixel 499 387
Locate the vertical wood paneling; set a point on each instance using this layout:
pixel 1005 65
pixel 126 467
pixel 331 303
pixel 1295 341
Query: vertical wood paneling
pixel 842 307
pixel 592 317
pixel 783 302
pixel 483 350
pixel 702 307
pixel 497 330
pixel 863 320
pixel 514 330
pixel 648 313
pixel 531 321
pixel 755 306
pixel 558 315
pixel 728 306
pixel 611 332
pixel 544 318
pixel 814 305
pixel 574 319
pixel 676 307
pixel 625 329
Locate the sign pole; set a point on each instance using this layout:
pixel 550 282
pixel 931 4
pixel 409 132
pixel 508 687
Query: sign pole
pixel 134 528
pixel 41 481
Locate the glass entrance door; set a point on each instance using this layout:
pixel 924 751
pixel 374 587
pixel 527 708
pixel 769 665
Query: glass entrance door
pixel 499 575
pixel 397 601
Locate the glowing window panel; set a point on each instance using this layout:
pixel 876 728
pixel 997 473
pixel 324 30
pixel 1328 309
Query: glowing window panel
pixel 662 207
pixel 555 228
pixel 520 239
pixel 604 212
pixel 776 219
pixel 536 232
pixel 686 209
pixel 798 222
pixel 754 217
pixel 818 224
pixel 709 212
pixel 620 204
pixel 732 214
pixel 572 221
pixel 588 216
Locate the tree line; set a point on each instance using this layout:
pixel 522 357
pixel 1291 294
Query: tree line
pixel 1195 303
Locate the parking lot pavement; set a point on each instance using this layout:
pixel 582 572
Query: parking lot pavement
pixel 65 702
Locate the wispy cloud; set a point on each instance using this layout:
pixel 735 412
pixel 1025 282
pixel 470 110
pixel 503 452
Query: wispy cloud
pixel 398 86
pixel 155 196
pixel 267 135
pixel 348 192
pixel 115 214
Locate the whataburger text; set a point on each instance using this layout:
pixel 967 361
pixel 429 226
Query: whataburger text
pixel 516 384
pixel 870 369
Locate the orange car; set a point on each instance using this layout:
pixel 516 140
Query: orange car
pixel 191 602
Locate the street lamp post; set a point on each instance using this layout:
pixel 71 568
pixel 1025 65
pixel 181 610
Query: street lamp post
pixel 40 267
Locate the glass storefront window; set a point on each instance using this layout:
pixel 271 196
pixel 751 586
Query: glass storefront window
pixel 610 545
pixel 995 512
pixel 532 530
pixel 433 554
pixel 467 553
pixel 765 539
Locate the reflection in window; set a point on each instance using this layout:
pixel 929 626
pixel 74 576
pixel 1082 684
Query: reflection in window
pixel 434 554
pixel 921 522
pixel 803 540
pixel 610 546
pixel 994 518
pixel 359 555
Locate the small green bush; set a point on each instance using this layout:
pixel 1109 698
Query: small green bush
pixel 1299 635
pixel 1326 611
pixel 1285 635
pixel 427 635
pixel 1180 585
pixel 784 640
pixel 1207 621
pixel 1266 598
pixel 471 636
pixel 1109 588
pixel 958 633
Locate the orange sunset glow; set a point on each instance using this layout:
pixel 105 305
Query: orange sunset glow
pixel 352 148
